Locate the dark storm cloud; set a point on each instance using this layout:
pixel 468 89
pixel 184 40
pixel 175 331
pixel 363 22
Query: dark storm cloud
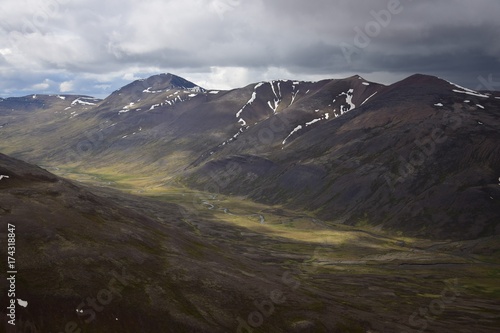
pixel 95 46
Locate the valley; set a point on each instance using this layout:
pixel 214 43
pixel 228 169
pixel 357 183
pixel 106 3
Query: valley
pixel 384 270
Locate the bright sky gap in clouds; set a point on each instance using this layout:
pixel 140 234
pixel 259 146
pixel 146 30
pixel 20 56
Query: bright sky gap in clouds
pixel 94 47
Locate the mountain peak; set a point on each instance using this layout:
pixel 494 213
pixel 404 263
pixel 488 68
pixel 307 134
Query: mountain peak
pixel 424 79
pixel 168 81
pixel 159 82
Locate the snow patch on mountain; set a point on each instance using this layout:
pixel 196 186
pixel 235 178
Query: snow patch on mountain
pixel 196 89
pixel 81 100
pixel 296 129
pixel 467 91
pixel 366 100
pixel 348 99
pixel 260 84
pixel 149 91
pixel 251 100
pixel 313 121
pixel 326 116
pixel 294 95
pixel 276 101
pixel 126 108
pixel 470 93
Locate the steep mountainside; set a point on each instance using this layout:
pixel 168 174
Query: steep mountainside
pixel 421 156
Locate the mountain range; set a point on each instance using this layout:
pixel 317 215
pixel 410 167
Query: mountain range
pixel 419 156
pixel 341 205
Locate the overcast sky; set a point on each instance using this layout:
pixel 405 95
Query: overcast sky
pixel 96 46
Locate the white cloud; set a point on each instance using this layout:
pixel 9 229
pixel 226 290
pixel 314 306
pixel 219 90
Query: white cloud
pixel 66 86
pixel 5 51
pixel 130 77
pixel 42 85
pixel 221 78
pixel 103 86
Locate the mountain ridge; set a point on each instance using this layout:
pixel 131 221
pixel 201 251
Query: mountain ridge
pixel 327 135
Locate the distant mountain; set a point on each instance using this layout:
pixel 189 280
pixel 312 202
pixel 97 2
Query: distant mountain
pixel 419 156
pixel 155 85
